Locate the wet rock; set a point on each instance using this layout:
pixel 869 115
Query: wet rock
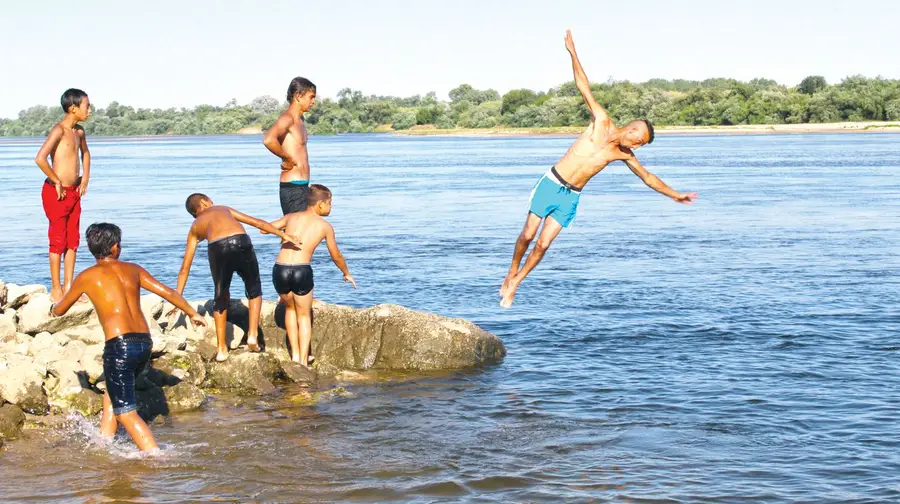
pixel 183 397
pixel 35 316
pixel 190 364
pixel 12 419
pixel 307 399
pixel 246 372
pixel 206 350
pixel 70 390
pixel 8 326
pixel 297 373
pixel 86 402
pixel 21 383
pixel 19 295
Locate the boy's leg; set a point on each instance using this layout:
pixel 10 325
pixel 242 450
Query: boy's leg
pixel 56 292
pixel 303 307
pixel 253 321
pixel 138 430
pixel 69 269
pixel 56 217
pixel 108 424
pixel 549 232
pixel 221 318
pixel 529 231
pixel 73 222
pixel 290 325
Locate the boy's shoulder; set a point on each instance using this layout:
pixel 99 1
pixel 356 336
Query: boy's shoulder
pixel 79 129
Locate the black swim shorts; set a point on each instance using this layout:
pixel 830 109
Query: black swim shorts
pixel 230 255
pixel 296 278
pixel 294 196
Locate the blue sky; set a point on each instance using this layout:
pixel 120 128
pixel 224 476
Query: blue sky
pixel 187 52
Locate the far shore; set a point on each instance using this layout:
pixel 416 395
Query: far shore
pixel 742 129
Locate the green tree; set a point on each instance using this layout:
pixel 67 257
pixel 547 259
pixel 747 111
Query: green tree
pixel 812 84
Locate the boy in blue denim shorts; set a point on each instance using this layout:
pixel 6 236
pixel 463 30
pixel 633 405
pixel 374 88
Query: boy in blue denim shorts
pixel 114 287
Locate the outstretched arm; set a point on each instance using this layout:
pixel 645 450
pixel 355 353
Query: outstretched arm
pixel 263 226
pixel 275 135
pixel 85 163
pixel 598 113
pixel 654 182
pixel 277 224
pixel 336 255
pixel 189 251
pixel 69 299
pixel 155 286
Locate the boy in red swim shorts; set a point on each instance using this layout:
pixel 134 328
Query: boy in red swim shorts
pixel 64 187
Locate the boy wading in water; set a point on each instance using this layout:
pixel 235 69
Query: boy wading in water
pixel 230 251
pixel 63 188
pixel 556 194
pixel 293 274
pixel 114 287
pixel 287 140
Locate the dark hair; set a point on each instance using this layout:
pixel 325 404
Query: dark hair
pixel 101 236
pixel 317 193
pixel 71 97
pixel 192 204
pixel 299 85
pixel 650 129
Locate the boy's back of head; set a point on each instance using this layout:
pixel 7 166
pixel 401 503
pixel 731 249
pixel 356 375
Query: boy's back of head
pixel 317 193
pixel 102 237
pixel 192 204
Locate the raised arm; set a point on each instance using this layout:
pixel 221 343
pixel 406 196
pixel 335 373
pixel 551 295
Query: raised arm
pixel 189 251
pixel 654 182
pixel 263 226
pixel 336 255
pixel 85 163
pixel 275 135
pixel 598 113
pixel 69 299
pixel 41 159
pixel 155 286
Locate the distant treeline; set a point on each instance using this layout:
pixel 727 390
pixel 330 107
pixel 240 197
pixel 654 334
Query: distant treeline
pixel 710 102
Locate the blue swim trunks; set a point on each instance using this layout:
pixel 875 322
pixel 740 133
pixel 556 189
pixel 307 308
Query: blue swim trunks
pixel 124 358
pixel 554 197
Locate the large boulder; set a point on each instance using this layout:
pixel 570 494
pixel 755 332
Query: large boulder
pixel 21 383
pixel 246 372
pixel 18 295
pixel 183 397
pixel 70 390
pixel 92 361
pixel 186 366
pixel 12 419
pixel 35 317
pixel 390 337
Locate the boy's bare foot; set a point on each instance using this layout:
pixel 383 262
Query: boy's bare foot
pixel 221 355
pixel 296 358
pixel 508 294
pixel 56 294
pixel 505 284
pixel 253 344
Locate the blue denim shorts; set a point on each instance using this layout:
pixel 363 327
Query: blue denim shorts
pixel 124 357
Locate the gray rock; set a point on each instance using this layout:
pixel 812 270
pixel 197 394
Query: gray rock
pixel 11 421
pixel 184 397
pixel 190 364
pixel 92 361
pixel 297 373
pixel 21 383
pixel 18 295
pixel 35 316
pixel 70 390
pixel 246 372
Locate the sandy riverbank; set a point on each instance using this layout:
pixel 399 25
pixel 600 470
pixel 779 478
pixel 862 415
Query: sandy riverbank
pixel 752 129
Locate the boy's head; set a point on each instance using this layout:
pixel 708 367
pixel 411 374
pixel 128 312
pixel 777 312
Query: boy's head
pixel 76 102
pixel 320 199
pixel 196 203
pixel 637 133
pixel 104 240
pixel 303 92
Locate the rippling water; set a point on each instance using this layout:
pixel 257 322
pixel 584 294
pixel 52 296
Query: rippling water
pixel 742 349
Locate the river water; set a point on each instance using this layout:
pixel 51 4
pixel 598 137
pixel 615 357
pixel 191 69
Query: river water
pixel 743 349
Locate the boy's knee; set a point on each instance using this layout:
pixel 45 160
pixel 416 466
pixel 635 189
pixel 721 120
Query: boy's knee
pixel 542 245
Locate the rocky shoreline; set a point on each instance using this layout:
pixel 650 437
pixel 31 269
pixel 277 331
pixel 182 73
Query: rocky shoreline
pixel 52 365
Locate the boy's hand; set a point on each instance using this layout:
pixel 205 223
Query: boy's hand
pixel 349 278
pixel 288 164
pixel 570 44
pixel 60 192
pixel 686 198
pixel 293 240
pixel 82 189
pixel 198 320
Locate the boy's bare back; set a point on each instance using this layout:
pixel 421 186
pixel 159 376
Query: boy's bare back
pixel 311 229
pixel 115 290
pixel 216 222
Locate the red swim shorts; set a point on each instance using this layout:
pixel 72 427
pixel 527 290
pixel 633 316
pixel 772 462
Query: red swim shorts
pixel 64 217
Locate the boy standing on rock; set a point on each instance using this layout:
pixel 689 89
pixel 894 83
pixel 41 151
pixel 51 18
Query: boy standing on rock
pixel 63 188
pixel 293 275
pixel 114 287
pixel 230 251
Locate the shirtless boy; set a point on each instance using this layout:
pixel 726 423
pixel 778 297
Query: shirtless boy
pixel 114 287
pixel 293 274
pixel 556 193
pixel 287 140
pixel 63 188
pixel 230 251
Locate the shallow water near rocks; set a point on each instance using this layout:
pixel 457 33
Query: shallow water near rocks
pixel 741 349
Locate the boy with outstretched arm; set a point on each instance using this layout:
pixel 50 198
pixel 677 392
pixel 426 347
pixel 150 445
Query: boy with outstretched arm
pixel 63 188
pixel 114 287
pixel 293 275
pixel 230 251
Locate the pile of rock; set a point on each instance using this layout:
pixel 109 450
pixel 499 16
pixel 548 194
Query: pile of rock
pixel 53 364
